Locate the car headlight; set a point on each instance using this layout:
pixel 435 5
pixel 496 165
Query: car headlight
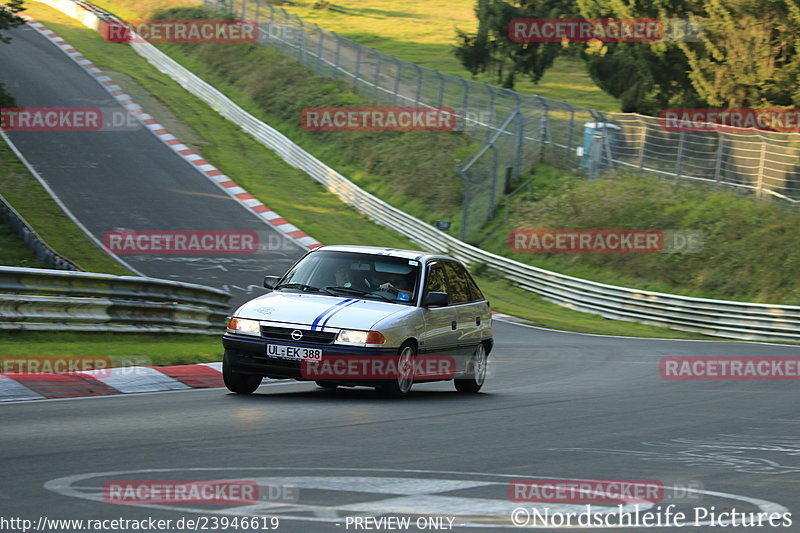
pixel 244 325
pixel 360 337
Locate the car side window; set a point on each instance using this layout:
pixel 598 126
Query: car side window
pixel 475 293
pixel 458 286
pixel 437 282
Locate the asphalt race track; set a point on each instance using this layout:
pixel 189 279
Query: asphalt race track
pixel 128 179
pixel 557 405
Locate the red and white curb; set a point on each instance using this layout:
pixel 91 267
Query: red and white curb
pixel 123 380
pixel 225 183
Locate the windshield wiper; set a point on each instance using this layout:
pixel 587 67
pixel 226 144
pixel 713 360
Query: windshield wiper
pixel 359 292
pixel 301 286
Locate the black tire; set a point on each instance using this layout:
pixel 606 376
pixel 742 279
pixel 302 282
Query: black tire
pixel 397 388
pixel 327 384
pixel 476 376
pixel 238 383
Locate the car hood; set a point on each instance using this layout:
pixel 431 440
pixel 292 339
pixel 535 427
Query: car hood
pixel 319 310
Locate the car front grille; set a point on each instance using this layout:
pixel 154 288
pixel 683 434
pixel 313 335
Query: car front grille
pixel 285 334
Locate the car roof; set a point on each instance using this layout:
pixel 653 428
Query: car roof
pixel 392 252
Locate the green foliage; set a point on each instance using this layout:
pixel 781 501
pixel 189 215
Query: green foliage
pixel 491 51
pixel 747 55
pixel 751 248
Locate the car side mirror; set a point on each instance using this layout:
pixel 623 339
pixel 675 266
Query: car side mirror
pixel 271 281
pixel 435 299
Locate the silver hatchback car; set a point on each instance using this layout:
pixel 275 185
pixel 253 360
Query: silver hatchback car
pixel 363 316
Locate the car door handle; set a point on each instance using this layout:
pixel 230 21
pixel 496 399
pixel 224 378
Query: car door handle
pixel 477 321
pixel 453 324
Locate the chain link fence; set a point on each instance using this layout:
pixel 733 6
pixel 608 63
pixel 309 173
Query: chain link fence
pixel 519 130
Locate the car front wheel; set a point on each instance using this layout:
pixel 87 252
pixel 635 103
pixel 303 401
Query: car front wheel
pixel 401 384
pixel 238 383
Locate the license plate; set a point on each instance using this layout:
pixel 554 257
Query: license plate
pixel 293 352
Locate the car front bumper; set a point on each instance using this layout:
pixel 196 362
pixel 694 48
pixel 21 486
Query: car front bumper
pixel 248 355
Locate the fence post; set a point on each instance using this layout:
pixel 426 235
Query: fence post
pixel 490 126
pixel 718 162
pixel 419 84
pixel 465 208
pixel 397 80
pixel 492 200
pixel 570 131
pixel 258 9
pixel 679 157
pixel 302 39
pixel 520 142
pixel 465 100
pixel 760 185
pixel 358 67
pixel 542 127
pixel 336 56
pixel 441 88
pixel 319 49
pixel 641 150
pixel 377 75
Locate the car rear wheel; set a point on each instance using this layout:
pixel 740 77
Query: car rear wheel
pixel 476 373
pixel 238 383
pixel 399 387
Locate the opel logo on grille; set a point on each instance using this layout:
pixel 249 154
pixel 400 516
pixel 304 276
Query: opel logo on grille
pixel 297 335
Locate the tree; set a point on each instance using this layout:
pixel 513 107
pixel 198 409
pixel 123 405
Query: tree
pixel 646 76
pixel 746 56
pixel 749 55
pixel 491 51
pixel 9 19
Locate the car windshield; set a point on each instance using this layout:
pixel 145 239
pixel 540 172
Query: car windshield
pixel 354 274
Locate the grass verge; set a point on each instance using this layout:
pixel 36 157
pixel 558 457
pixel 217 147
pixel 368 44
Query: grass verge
pixel 420 31
pixel 156 350
pixel 38 208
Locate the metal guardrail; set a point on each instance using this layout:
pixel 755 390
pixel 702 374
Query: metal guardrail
pixel 56 300
pixel 719 318
pixel 32 240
